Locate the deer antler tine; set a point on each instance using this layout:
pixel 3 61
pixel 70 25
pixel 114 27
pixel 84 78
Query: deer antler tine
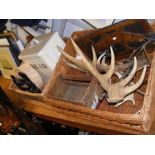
pixel 73 60
pixel 99 59
pixel 85 62
pixel 77 49
pixel 94 56
pixel 112 65
pixel 92 69
pixel 130 89
pixel 75 66
pixel 66 55
pixel 125 81
pixel 103 64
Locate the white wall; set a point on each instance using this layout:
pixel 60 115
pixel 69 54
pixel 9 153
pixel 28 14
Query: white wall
pixel 66 27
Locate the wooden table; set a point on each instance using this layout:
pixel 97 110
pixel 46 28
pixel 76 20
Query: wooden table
pixel 51 113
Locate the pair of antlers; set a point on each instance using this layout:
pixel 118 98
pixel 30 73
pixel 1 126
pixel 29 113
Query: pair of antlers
pixel 115 92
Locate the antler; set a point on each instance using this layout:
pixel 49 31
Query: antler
pixel 104 66
pixel 116 92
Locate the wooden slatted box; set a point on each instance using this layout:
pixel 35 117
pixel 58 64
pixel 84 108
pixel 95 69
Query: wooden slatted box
pixel 137 118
